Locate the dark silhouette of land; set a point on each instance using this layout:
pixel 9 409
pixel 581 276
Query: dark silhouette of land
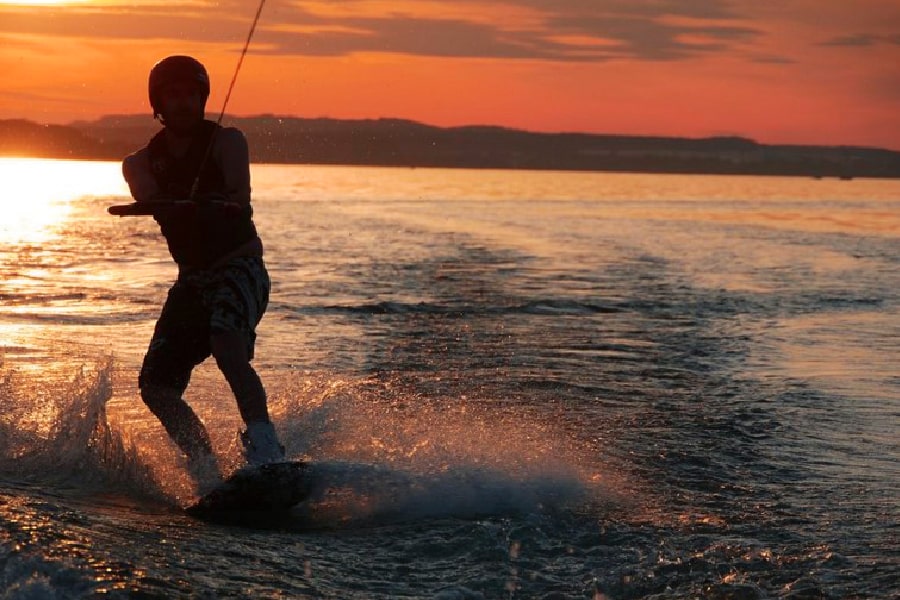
pixel 395 142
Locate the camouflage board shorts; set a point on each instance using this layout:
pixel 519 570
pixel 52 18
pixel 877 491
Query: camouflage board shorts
pixel 230 298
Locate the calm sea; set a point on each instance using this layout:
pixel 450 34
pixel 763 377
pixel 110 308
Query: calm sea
pixel 510 385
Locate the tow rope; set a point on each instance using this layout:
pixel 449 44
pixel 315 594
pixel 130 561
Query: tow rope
pixel 237 70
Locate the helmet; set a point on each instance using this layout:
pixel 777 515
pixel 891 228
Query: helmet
pixel 172 69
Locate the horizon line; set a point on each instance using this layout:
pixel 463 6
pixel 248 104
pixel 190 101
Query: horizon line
pixel 722 136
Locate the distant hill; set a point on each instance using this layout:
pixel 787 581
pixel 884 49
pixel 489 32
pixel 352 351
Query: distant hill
pixel 19 137
pixel 396 142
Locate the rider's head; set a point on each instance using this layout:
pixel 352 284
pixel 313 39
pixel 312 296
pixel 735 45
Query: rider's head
pixel 179 88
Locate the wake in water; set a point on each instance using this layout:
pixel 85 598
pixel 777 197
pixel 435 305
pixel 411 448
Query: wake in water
pixel 377 455
pixel 381 454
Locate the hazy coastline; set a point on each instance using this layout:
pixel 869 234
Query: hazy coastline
pixel 396 142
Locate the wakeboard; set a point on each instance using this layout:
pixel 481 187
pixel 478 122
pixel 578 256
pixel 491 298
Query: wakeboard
pixel 264 490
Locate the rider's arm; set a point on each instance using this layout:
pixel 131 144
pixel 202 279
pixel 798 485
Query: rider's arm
pixel 231 153
pixel 136 169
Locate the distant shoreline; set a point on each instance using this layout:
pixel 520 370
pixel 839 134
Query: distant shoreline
pixel 400 143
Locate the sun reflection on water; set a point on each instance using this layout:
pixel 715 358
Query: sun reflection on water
pixel 40 194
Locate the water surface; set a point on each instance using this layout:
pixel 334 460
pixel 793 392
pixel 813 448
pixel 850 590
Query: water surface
pixel 511 384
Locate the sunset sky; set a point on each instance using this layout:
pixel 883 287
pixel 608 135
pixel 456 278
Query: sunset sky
pixel 792 71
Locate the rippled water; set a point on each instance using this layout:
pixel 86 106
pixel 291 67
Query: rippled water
pixel 511 385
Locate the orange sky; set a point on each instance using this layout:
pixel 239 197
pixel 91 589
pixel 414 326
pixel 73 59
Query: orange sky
pixel 793 71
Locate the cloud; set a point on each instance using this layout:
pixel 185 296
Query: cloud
pixel 699 9
pixel 654 39
pixel 862 40
pixel 405 35
pixel 565 30
pixel 135 23
pixel 562 30
pixel 773 60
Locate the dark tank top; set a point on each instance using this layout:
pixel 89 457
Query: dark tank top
pixel 197 238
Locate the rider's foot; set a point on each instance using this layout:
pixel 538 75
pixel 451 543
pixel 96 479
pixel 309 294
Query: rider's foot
pixel 261 445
